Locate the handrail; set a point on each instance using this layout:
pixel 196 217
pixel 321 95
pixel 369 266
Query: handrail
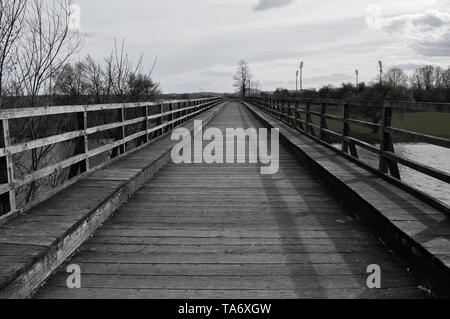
pixel 288 111
pixel 178 112
pixel 412 106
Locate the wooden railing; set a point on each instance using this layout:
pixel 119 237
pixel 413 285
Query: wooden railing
pixel 298 114
pixel 167 115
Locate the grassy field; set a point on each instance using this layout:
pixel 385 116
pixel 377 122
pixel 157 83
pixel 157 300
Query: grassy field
pixel 434 124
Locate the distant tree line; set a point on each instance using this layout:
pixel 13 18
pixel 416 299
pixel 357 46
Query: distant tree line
pixel 116 80
pixel 427 84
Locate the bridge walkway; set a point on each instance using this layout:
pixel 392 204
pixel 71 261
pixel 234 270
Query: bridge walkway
pixel 226 231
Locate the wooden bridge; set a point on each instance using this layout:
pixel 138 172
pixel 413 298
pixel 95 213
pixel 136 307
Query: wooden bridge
pixel 140 226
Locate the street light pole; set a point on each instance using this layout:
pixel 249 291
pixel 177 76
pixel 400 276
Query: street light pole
pixel 296 80
pixel 301 76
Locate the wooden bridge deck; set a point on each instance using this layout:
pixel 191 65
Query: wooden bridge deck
pixel 225 231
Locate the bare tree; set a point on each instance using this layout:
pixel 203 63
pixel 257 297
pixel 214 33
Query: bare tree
pixel 93 76
pixel 242 77
pixel 46 45
pixel 395 77
pixel 119 67
pixel 70 82
pixel 11 23
pixel 424 78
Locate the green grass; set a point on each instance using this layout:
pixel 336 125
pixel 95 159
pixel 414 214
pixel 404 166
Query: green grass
pixel 434 124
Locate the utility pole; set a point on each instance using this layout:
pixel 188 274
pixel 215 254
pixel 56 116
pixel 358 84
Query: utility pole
pixel 301 76
pixel 357 77
pixel 296 80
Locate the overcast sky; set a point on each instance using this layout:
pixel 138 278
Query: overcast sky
pixel 199 42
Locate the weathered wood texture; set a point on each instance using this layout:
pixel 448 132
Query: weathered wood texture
pixel 34 244
pixel 290 113
pixel 119 146
pixel 417 231
pixel 225 231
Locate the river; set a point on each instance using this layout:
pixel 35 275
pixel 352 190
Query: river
pixel 430 155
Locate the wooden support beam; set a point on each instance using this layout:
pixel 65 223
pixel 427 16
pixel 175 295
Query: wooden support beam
pixel 387 145
pixel 346 133
pixel 7 200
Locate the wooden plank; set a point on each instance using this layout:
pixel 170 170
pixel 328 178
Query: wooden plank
pixel 55 110
pixel 229 270
pixel 427 170
pixel 226 227
pixel 58 239
pixel 48 171
pixel 403 219
pixel 226 282
pixel 22 147
pixel 362 123
pixel 443 142
pixel 98 293
pixel 229 249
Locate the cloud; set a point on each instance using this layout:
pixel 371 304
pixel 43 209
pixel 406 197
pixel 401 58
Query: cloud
pixel 270 4
pixel 427 33
pixel 437 47
pixel 373 18
pixel 421 24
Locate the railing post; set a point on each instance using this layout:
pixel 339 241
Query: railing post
pixel 296 122
pixel 86 139
pixel 292 111
pixel 281 109
pixel 309 128
pixel 299 116
pixel 346 132
pixel 81 146
pixel 161 112
pixel 275 108
pixel 323 121
pixel 172 116
pixel 7 200
pixel 145 114
pixel 276 104
pixel 180 113
pixel 345 128
pixel 123 147
pixel 285 110
pixel 386 144
pixel 289 113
